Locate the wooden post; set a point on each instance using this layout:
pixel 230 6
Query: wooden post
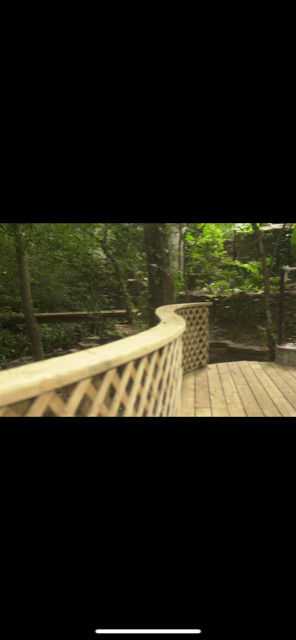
pixel 282 305
pixel 284 276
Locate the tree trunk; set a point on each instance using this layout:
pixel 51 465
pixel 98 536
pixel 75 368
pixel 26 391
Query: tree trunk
pixel 121 280
pixel 26 296
pixel 118 274
pixel 266 275
pixel 180 249
pixel 124 291
pixel 161 285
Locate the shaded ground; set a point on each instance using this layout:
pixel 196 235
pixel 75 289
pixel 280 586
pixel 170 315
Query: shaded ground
pixel 118 331
pixel 237 333
pixel 244 334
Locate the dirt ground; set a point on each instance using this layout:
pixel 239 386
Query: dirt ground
pixel 236 333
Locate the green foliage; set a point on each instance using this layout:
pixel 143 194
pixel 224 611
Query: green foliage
pixel 244 276
pixel 12 346
pixel 63 336
pixel 216 272
pixel 178 281
pixel 73 267
pixel 70 271
pixel 245 227
pixel 205 243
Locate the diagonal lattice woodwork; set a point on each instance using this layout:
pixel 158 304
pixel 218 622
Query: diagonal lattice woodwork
pixel 148 386
pixel 196 337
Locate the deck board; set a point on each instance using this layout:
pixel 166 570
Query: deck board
pixel 240 389
pixel 232 397
pixel 256 385
pixel 291 370
pixel 217 397
pixel 287 376
pixel 279 400
pixel 277 374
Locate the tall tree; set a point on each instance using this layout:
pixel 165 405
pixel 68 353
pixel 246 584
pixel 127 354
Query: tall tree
pixel 102 236
pixel 161 285
pixel 25 290
pixel 267 271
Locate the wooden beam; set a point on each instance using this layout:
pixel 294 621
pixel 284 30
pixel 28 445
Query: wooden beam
pixel 63 317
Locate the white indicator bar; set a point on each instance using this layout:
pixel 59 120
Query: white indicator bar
pixel 148 631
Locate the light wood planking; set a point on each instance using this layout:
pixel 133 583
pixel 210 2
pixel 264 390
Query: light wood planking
pixel 291 370
pixel 286 375
pixel 202 395
pixel 285 408
pixel 217 397
pixel 246 395
pixel 234 404
pixel 238 389
pixel 187 396
pixel 262 397
pixel 276 374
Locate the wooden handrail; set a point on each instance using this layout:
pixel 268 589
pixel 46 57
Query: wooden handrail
pixel 38 379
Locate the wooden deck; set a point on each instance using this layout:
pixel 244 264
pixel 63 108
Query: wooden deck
pixel 240 389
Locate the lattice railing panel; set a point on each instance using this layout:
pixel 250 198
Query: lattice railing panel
pixel 147 386
pixel 196 337
pixel 134 377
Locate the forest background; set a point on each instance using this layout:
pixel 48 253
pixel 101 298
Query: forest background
pixel 95 267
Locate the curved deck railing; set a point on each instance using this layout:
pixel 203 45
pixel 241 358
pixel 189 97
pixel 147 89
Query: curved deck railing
pixel 136 376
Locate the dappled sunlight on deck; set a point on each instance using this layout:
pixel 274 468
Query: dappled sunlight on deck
pixel 240 389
